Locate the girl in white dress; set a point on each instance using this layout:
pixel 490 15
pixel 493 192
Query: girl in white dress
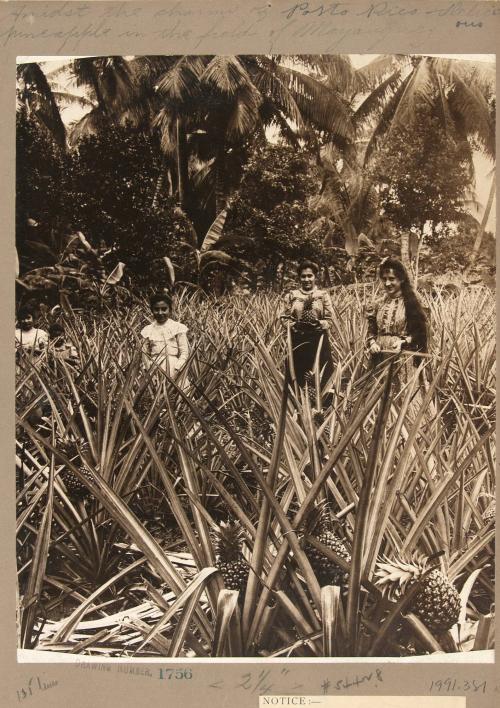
pixel 166 342
pixel 29 338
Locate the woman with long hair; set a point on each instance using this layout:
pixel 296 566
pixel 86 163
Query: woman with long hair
pixel 397 321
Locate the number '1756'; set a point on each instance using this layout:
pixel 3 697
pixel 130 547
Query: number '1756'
pixel 176 674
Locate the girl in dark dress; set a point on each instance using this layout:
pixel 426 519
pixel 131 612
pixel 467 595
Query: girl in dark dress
pixel 311 312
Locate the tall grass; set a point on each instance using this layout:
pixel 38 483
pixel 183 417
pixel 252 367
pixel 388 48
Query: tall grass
pixel 401 469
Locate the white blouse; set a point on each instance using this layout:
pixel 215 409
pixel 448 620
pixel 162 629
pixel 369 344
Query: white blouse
pixel 34 339
pixel 167 340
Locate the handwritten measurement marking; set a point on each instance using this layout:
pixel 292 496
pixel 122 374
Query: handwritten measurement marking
pixel 259 684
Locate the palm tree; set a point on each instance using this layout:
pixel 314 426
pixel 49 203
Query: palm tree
pixel 111 88
pixel 347 198
pixel 460 92
pixel 482 226
pixel 226 100
pixel 36 98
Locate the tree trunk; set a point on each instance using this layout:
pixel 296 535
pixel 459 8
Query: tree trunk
pixel 405 250
pixel 220 178
pixel 182 167
pixel 160 182
pixel 477 243
pixel 417 256
pixel 170 180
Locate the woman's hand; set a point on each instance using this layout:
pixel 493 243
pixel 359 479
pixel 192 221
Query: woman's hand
pixel 400 343
pixel 373 347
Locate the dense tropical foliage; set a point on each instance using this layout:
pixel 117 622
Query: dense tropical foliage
pixel 191 131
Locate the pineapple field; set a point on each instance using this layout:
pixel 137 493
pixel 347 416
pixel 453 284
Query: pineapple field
pixel 241 517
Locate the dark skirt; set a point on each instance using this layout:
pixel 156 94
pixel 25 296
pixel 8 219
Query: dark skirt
pixel 305 345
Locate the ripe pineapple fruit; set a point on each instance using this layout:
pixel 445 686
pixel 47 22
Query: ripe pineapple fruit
pixel 143 405
pixel 437 603
pixel 71 481
pixel 73 484
pixel 318 417
pixel 230 560
pixel 260 425
pixel 308 316
pixel 311 387
pixel 327 572
pixel 490 512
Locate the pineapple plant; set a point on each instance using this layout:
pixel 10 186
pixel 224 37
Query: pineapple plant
pixel 230 559
pixel 327 572
pixel 437 603
pixel 149 504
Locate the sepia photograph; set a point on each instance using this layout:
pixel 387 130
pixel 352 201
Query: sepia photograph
pixel 255 356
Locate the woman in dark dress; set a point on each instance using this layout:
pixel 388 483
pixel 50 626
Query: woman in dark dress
pixel 311 312
pixel 397 320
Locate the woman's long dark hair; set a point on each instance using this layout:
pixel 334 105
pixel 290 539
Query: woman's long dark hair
pixel 416 320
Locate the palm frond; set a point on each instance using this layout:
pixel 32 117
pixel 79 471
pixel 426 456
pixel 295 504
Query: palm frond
pixel 117 83
pixel 227 74
pixel 419 90
pixel 84 71
pixel 338 70
pixel 385 120
pixel 377 98
pixel 181 81
pixel 272 86
pixel 90 124
pixel 377 69
pixel 244 111
pixel 271 115
pixel 54 74
pixel 65 99
pixel 164 121
pixel 478 115
pixel 320 105
pixel 481 73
